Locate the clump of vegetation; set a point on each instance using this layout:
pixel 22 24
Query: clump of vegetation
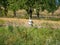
pixel 2 22
pixel 53 19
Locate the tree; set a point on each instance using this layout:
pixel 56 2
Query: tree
pixel 29 7
pixel 58 2
pixel 0 8
pixel 4 4
pixel 14 6
pixel 51 6
pixel 39 6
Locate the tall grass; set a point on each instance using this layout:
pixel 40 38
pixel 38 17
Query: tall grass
pixel 10 35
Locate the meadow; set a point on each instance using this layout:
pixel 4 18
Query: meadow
pixel 21 35
pixel 29 22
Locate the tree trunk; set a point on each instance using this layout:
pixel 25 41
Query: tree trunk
pixel 37 12
pixel 52 13
pixel 5 11
pixel 30 15
pixel 14 11
pixel 0 11
pixel 30 12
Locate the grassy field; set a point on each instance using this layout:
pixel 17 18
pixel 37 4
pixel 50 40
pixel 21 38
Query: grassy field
pixel 15 31
pixel 21 35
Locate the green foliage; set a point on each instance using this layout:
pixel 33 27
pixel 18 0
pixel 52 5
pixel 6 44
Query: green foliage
pixel 13 4
pixel 54 19
pixel 2 22
pixel 49 5
pixel 29 36
pixel 10 27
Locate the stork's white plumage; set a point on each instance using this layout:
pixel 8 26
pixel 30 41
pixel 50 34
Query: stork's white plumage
pixel 30 22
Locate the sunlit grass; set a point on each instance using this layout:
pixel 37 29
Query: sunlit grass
pixel 10 35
